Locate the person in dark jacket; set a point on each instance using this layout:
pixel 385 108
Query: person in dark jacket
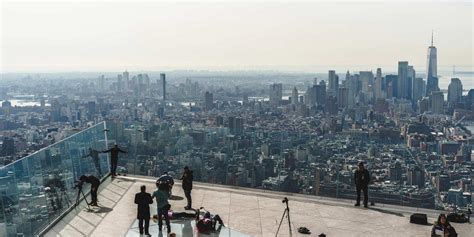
pixel 442 228
pixel 143 201
pixel 95 182
pixel 362 179
pixel 114 151
pixel 187 183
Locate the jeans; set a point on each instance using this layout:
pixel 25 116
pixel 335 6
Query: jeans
pixel 140 225
pixel 187 193
pixel 163 212
pixel 94 194
pixel 366 194
pixel 113 164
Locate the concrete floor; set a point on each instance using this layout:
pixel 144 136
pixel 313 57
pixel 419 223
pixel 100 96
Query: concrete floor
pixel 245 212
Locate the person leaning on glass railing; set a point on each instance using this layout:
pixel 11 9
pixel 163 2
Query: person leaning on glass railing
pixel 114 151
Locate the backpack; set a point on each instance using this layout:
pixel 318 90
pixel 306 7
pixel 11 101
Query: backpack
pixel 204 225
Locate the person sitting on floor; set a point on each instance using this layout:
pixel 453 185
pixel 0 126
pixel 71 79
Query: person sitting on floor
pixel 205 222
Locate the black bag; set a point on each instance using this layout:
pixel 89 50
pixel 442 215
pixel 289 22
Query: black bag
pixel 419 218
pixel 456 217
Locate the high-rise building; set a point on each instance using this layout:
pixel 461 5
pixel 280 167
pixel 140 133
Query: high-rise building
pixel 391 86
pixel 418 87
pixel 402 80
pixel 294 96
pixel 352 87
pixel 367 79
pixel 119 82
pixel 437 102
pixel 343 97
pixel 410 78
pixel 378 85
pixel 333 83
pixel 8 146
pixel 276 93
pixel 454 91
pixel 321 93
pixel 163 81
pixel 208 101
pixel 431 69
pixel 126 77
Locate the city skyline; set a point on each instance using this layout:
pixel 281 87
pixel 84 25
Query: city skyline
pixel 283 36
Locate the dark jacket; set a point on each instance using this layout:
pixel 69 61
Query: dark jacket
pixel 143 200
pixel 362 178
pixel 94 181
pixel 187 179
pixel 114 151
pixel 446 229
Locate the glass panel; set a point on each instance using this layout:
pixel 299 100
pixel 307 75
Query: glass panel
pixel 38 188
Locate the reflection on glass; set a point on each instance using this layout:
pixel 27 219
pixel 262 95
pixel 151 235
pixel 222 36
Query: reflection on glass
pixel 38 188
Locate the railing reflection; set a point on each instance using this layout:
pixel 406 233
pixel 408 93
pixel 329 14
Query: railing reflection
pixel 37 189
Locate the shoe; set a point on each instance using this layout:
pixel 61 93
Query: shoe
pixel 357 204
pixel 365 206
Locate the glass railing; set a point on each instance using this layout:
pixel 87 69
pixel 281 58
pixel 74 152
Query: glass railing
pixel 283 161
pixel 39 188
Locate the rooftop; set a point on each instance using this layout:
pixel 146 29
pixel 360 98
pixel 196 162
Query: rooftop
pixel 246 212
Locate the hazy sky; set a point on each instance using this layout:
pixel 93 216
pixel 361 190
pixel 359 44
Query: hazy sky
pixel 113 36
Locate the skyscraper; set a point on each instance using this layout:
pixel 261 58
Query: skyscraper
pixel 294 96
pixel 163 81
pixel 410 78
pixel 418 86
pixel 402 80
pixel 454 91
pixel 343 97
pixel 432 69
pixel 126 77
pixel 208 101
pixel 378 85
pixel 276 93
pixel 333 83
pixel 437 102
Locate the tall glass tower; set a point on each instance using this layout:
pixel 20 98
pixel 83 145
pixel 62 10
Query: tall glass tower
pixel 432 69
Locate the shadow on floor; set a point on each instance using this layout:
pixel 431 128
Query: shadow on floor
pixel 386 211
pixel 103 210
pixel 184 227
pixel 176 198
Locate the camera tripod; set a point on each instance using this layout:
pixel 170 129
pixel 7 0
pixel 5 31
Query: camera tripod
pixel 63 196
pixel 78 198
pixel 287 214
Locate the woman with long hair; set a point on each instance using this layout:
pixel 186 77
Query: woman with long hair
pixel 442 228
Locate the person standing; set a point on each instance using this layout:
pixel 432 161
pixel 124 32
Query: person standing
pixel 162 195
pixel 143 201
pixel 94 182
pixel 168 180
pixel 362 179
pixel 114 151
pixel 187 183
pixel 94 154
pixel 469 212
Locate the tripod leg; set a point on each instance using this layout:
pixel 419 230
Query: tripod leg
pixel 281 221
pixel 289 222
